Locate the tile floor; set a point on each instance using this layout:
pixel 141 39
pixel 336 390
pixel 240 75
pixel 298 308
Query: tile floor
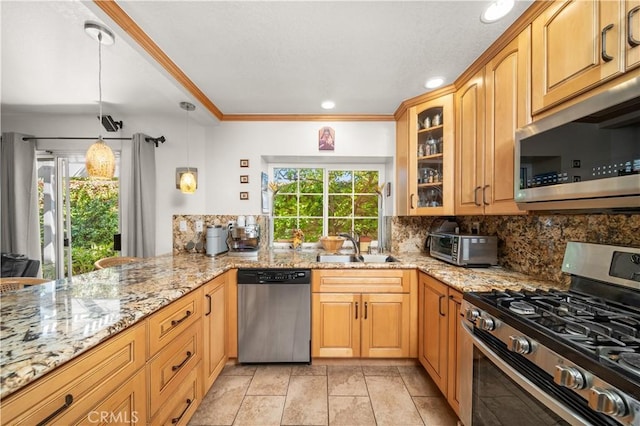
pixel 329 392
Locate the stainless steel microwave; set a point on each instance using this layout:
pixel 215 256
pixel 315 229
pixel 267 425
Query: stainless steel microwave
pixel 464 250
pixel 586 156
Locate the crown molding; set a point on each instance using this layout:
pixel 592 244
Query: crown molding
pixel 307 117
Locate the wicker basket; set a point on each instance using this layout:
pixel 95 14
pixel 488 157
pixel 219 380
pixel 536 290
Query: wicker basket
pixel 332 243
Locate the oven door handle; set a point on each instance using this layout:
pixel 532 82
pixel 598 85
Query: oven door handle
pixel 522 381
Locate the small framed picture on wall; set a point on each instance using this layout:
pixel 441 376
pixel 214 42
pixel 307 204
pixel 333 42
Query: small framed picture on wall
pixel 244 178
pixel 244 163
pixel 244 195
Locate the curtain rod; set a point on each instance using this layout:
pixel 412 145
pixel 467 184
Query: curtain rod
pixel 156 141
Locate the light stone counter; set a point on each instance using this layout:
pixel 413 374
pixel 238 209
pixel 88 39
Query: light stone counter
pixel 41 327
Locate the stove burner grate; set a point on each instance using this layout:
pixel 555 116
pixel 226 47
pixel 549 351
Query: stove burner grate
pixel 630 360
pixel 522 308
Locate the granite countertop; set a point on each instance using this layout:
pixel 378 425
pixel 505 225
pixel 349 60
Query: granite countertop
pixel 41 327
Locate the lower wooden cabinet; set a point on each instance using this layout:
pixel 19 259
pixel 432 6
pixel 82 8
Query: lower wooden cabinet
pixel 360 325
pixel 74 390
pixel 368 313
pixel 215 329
pixel 438 334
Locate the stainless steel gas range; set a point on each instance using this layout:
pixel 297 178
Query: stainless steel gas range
pixel 556 357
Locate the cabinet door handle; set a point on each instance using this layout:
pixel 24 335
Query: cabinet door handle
pixel 633 42
pixel 484 195
pixel 68 400
pixel 411 203
pixel 179 366
pixel 440 306
pixel 176 322
pixel 366 305
pixel 603 39
pixel 356 310
pixel 208 296
pixel 177 419
pixel 475 196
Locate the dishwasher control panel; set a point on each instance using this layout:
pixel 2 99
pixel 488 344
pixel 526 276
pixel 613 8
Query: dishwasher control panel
pixel 274 276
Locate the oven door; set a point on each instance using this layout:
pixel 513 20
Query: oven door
pixel 492 392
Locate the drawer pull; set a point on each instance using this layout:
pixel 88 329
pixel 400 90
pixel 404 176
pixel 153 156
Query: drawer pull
pixel 412 206
pixel 475 195
pixel 209 301
pixel 484 195
pixel 356 310
pixel 177 419
pixel 366 305
pixel 442 314
pixel 179 366
pixel 176 322
pixel 633 42
pixel 603 49
pixel 68 400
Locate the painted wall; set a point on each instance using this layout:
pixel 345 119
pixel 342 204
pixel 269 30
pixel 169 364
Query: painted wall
pixel 216 152
pixel 264 142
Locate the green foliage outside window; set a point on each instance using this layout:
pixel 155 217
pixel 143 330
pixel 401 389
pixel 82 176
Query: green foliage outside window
pixel 350 200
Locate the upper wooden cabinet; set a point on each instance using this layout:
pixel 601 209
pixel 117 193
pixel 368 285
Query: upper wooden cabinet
pixel 425 153
pixel 489 108
pixel 576 44
pixel 632 36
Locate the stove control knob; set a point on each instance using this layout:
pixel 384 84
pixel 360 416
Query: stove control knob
pixel 472 314
pixel 519 345
pixel 607 401
pixel 486 324
pixel 569 377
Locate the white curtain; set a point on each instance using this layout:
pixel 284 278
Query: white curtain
pixel 20 226
pixel 138 197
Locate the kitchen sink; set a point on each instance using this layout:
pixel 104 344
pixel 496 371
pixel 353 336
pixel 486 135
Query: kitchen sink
pixel 351 258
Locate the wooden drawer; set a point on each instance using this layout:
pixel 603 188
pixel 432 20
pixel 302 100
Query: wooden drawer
pixel 361 280
pixel 126 406
pixel 172 320
pixel 186 397
pixel 172 364
pixel 73 389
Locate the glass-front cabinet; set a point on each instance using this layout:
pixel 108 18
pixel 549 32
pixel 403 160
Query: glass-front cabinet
pixel 431 157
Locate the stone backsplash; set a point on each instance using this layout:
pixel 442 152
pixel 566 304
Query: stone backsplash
pixel 532 244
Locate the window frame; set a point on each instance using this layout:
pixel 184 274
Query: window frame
pixel 326 167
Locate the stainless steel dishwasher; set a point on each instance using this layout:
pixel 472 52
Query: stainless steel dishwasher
pixel 274 315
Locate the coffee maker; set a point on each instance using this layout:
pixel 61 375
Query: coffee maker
pixel 243 237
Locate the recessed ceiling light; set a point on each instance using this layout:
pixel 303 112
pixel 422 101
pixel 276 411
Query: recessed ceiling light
pixel 328 105
pixel 496 10
pixel 432 83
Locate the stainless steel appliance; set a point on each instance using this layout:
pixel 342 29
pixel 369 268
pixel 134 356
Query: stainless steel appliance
pixel 556 357
pixel 216 240
pixel 585 156
pixel 274 315
pixel 243 240
pixel 465 250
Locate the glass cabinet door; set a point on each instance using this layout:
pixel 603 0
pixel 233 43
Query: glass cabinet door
pixel 431 144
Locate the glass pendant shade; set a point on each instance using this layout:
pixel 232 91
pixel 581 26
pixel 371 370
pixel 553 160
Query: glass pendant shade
pixel 188 183
pixel 100 161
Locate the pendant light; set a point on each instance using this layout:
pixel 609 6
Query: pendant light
pixel 188 183
pixel 100 161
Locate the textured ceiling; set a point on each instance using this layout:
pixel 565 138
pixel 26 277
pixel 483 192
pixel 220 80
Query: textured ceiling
pixel 247 57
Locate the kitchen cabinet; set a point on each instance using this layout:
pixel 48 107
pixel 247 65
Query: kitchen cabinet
pixel 489 109
pixel 362 313
pixel 92 380
pixel 425 157
pixel 453 354
pixel 576 45
pixel 632 37
pixel 438 335
pixel 215 329
pixel 176 346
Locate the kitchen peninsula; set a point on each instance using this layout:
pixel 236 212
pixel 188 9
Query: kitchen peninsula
pixel 45 327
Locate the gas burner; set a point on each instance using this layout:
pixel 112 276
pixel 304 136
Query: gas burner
pixel 522 308
pixel 630 361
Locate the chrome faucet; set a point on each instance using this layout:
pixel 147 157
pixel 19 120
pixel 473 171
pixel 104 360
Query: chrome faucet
pixel 356 247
